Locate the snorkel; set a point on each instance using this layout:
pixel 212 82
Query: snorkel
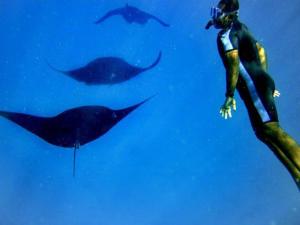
pixel 216 15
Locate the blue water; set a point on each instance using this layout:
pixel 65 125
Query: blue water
pixel 173 161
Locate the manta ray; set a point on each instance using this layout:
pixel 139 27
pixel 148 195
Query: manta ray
pixel 132 15
pixel 72 128
pixel 106 70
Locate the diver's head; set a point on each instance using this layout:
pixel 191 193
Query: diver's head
pixel 224 14
pixel 222 20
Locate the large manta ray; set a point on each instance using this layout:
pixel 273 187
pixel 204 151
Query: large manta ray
pixel 72 128
pixel 131 15
pixel 106 70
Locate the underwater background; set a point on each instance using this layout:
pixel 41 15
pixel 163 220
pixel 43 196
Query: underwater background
pixel 174 160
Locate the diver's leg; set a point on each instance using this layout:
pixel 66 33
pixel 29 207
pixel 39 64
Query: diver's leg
pixel 294 172
pixel 266 134
pixel 272 130
pixel 284 141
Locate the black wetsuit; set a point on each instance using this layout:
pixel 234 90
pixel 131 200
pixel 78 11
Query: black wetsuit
pixel 254 85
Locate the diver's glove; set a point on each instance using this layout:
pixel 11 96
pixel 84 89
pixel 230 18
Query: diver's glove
pixel 225 110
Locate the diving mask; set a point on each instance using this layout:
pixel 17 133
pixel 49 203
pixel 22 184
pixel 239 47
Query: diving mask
pixel 216 13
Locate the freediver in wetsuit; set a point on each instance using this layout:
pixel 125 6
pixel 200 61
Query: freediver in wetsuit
pixel 246 70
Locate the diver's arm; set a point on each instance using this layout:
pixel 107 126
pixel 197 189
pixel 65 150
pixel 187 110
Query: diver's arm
pixel 262 56
pixel 264 62
pixel 232 71
pixel 232 75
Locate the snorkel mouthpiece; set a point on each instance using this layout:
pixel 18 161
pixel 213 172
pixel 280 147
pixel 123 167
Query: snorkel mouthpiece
pixel 209 24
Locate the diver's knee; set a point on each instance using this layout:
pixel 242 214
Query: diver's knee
pixel 266 131
pixel 260 135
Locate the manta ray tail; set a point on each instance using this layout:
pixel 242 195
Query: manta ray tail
pixel 76 147
pixel 155 63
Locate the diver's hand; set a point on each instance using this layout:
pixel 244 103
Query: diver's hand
pixel 226 107
pixel 276 93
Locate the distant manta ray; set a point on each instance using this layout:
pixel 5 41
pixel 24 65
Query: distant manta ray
pixel 131 15
pixel 106 70
pixel 74 127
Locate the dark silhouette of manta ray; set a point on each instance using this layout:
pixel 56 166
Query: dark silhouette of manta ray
pixel 106 70
pixel 74 127
pixel 132 15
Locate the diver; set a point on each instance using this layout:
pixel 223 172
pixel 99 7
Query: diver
pixel 245 63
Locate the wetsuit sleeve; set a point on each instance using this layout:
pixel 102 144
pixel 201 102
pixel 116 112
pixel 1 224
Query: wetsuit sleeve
pixel 232 71
pixel 228 44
